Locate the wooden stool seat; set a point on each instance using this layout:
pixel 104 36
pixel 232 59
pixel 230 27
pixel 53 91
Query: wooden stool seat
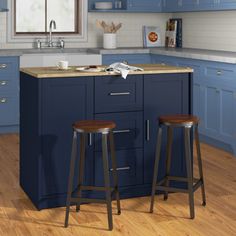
pixel 94 126
pixel 181 120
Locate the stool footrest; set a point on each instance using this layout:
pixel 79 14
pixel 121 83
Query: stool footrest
pixel 90 188
pixel 87 200
pixel 159 186
pixel 171 189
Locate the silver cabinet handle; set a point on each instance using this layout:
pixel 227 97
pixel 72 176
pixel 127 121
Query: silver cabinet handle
pixel 219 72
pixel 121 168
pixel 3 100
pixel 3 66
pixel 3 82
pixel 122 131
pixel 90 141
pixel 147 130
pixel 119 94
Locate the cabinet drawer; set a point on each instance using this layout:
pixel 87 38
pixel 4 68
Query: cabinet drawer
pixel 129 167
pixel 114 94
pixel 9 109
pixel 219 72
pixel 7 85
pixel 9 68
pixel 128 132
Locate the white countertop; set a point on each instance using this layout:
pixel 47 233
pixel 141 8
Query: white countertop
pixel 200 54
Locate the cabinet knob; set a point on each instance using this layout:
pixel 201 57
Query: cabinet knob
pixel 3 100
pixel 3 66
pixel 3 82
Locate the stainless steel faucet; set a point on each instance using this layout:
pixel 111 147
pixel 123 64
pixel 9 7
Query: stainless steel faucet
pixel 52 26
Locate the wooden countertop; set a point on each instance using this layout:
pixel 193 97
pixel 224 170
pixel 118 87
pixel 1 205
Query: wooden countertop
pixel 53 72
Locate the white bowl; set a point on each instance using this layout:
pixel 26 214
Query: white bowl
pixel 103 5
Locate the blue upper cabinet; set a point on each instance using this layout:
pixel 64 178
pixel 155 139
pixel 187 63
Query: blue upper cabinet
pixel 144 6
pixel 226 4
pixel 130 6
pixel 3 5
pixel 197 5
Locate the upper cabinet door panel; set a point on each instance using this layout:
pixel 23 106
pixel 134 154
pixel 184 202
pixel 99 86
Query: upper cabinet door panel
pixel 3 5
pixel 170 5
pixel 227 4
pixel 144 6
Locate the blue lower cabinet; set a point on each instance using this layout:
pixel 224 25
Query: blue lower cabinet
pixel 108 59
pixel 3 6
pixel 129 167
pixel 9 94
pixel 49 107
pixel 163 95
pixel 214 97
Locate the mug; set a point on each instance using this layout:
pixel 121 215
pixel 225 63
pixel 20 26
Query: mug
pixel 63 65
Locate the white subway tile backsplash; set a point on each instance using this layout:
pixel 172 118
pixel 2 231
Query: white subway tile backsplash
pixel 129 35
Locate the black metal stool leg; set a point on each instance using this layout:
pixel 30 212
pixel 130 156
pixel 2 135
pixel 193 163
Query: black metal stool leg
pixel 200 165
pixel 168 157
pixel 106 179
pixel 71 176
pixel 114 172
pixel 81 168
pixel 157 159
pixel 189 169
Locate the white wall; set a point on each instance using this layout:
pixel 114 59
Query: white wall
pixel 209 30
pixel 130 35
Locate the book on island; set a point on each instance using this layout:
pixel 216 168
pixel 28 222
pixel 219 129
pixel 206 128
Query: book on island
pixel 151 36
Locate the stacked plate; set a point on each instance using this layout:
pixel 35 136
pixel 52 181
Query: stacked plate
pixel 103 5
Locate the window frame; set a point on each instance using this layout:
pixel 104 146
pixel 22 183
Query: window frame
pixel 79 36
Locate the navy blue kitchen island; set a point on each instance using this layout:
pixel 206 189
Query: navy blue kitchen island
pixel 51 100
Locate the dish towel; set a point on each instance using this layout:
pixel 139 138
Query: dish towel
pixel 122 69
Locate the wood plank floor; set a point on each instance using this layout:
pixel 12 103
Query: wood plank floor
pixel 19 217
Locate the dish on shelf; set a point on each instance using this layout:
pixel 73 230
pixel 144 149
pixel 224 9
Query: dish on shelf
pixel 89 69
pixel 103 5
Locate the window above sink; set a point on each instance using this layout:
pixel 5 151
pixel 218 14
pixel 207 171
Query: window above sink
pixel 29 20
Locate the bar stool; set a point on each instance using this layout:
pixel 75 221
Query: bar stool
pixel 84 128
pixel 187 122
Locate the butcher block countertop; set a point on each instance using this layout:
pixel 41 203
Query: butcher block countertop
pixel 53 72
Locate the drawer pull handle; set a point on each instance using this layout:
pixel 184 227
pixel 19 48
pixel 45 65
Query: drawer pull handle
pixel 219 72
pixel 147 130
pixel 121 168
pixel 3 100
pixel 3 82
pixel 90 140
pixel 3 66
pixel 119 94
pixel 122 131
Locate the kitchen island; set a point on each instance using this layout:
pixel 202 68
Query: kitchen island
pixel 51 100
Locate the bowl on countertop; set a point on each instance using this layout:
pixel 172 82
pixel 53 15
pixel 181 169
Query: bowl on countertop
pixel 103 5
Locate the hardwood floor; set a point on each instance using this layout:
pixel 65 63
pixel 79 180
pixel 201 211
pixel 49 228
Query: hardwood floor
pixel 19 217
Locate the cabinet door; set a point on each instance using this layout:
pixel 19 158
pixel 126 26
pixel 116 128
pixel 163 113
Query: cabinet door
pixel 163 95
pixel 63 101
pixel 3 5
pixel 144 6
pixel 227 4
pixel 170 5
